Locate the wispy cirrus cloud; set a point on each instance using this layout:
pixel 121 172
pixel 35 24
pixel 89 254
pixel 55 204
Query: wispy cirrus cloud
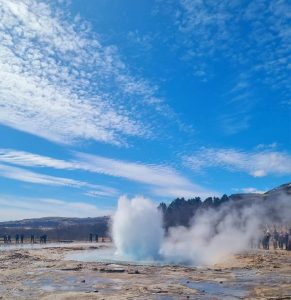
pixel 17 208
pixel 256 163
pixel 59 82
pixel 255 32
pixel 162 180
pixel 249 39
pixel 24 175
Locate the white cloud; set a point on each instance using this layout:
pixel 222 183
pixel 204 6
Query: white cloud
pixel 218 28
pixel 162 180
pixel 24 175
pixel 257 164
pixel 16 208
pixel 28 159
pixel 57 81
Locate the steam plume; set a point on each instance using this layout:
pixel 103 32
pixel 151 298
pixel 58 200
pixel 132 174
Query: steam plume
pixel 213 235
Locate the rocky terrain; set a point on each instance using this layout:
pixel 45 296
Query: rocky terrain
pixel 43 273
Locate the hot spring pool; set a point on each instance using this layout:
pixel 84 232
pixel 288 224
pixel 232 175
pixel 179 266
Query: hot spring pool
pixel 108 255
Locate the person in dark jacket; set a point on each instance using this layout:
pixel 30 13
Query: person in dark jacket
pixel 288 242
pixel 281 240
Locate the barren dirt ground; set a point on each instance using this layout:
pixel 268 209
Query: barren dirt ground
pixel 44 274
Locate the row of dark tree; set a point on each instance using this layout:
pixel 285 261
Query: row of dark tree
pixel 180 211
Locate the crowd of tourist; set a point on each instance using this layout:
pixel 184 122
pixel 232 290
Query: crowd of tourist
pixel 279 240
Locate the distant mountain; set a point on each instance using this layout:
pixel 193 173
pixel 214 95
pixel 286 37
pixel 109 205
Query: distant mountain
pixel 53 222
pixel 181 211
pixel 58 228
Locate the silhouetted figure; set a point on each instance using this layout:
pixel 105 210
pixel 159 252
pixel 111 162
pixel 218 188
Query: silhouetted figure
pixel 281 239
pixel 259 243
pixel 43 239
pixel 96 238
pixel 5 239
pixel 32 240
pixel 266 240
pixel 91 238
pixel 21 238
pixel 289 241
pixel 286 240
pixel 9 239
pixel 275 239
pixel 17 238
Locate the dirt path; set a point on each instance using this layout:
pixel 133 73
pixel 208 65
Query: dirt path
pixel 44 274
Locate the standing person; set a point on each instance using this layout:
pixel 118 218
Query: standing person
pixel 266 240
pixel 45 238
pixel 268 236
pixel 288 245
pixel 96 238
pixel 9 239
pixel 32 238
pixel 281 240
pixel 17 238
pixel 91 238
pixel 22 238
pixel 286 240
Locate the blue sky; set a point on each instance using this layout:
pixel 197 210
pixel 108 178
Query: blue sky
pixel 163 99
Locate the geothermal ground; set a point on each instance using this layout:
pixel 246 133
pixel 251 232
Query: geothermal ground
pixel 46 273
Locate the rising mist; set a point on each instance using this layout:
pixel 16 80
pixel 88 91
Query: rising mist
pixel 213 235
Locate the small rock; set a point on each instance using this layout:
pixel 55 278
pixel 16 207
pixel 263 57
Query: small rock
pixel 83 281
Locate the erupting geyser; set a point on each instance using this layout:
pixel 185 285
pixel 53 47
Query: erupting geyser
pixel 211 237
pixel 137 229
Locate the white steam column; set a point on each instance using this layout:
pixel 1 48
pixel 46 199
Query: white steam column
pixel 137 229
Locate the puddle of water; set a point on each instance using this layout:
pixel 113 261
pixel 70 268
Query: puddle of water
pixel 107 255
pixel 212 288
pixel 251 278
pixel 67 283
